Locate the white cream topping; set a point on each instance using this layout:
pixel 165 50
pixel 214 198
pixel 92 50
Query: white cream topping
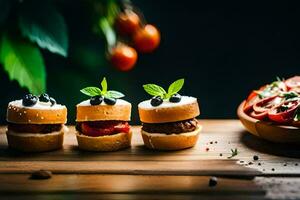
pixel 167 104
pixel 38 105
pixel 119 102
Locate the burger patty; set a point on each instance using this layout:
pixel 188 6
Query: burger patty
pixel 171 127
pixel 34 128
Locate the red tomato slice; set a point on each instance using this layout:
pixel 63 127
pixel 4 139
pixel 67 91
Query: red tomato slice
pixel 267 103
pixel 259 115
pixel 96 129
pixel 293 82
pixel 295 89
pixel 284 112
pixel 251 100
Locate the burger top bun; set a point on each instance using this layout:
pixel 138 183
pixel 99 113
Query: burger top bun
pixel 87 112
pixel 40 113
pixel 187 108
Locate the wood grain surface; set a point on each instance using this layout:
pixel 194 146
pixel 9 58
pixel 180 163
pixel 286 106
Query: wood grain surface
pixel 140 173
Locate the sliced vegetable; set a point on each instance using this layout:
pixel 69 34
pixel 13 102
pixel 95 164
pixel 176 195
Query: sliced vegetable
pixel 259 115
pixel 285 112
pixel 267 103
pixel 293 82
pixel 101 128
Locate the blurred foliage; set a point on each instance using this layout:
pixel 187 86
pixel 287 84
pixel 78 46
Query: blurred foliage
pixel 27 25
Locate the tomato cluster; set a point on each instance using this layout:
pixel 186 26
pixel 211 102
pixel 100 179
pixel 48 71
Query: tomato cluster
pixel 144 37
pixel 278 102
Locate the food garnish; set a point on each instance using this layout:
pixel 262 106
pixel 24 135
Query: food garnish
pixel 98 95
pixel 159 93
pixel 234 152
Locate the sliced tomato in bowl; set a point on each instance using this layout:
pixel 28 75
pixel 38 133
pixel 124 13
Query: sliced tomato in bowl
pixel 259 115
pixel 251 100
pixel 285 112
pixel 267 103
pixel 293 82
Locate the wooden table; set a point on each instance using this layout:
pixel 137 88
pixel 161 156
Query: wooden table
pixel 139 173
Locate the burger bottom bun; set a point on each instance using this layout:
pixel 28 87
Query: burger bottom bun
pixel 169 142
pixel 35 142
pixel 104 143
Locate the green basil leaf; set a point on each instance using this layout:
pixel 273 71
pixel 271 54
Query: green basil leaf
pixel 175 87
pixel 91 91
pixel 24 63
pixel 114 94
pixel 154 90
pixel 42 23
pixel 104 86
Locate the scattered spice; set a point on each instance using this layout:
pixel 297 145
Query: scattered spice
pixel 255 157
pixel 211 142
pixel 284 164
pixel 259 164
pixel 216 142
pixel 234 152
pixel 207 149
pixel 220 154
pixel 273 169
pixel 250 163
pixel 296 164
pixel 213 181
pixel 241 161
pixel 41 174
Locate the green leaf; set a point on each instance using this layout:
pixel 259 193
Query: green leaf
pixel 112 11
pixel 5 6
pixel 23 62
pixel 175 87
pixel 43 24
pixel 91 91
pixel 154 90
pixel 108 32
pixel 114 94
pixel 104 86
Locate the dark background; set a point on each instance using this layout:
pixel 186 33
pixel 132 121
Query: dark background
pixel 222 50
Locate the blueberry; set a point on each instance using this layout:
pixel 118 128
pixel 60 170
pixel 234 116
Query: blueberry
pixel 213 181
pixel 96 100
pixel 29 100
pixel 44 98
pixel 156 101
pixel 52 101
pixel 175 98
pixel 110 101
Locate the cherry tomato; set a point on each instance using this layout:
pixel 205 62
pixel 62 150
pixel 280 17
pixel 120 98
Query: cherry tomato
pixel 284 112
pixel 127 22
pixel 267 103
pixel 123 57
pixel 293 82
pixel 96 129
pixel 146 39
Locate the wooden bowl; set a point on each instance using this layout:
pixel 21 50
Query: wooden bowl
pixel 268 130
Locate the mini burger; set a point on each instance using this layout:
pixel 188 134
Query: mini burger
pixel 168 119
pixel 36 124
pixel 102 120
